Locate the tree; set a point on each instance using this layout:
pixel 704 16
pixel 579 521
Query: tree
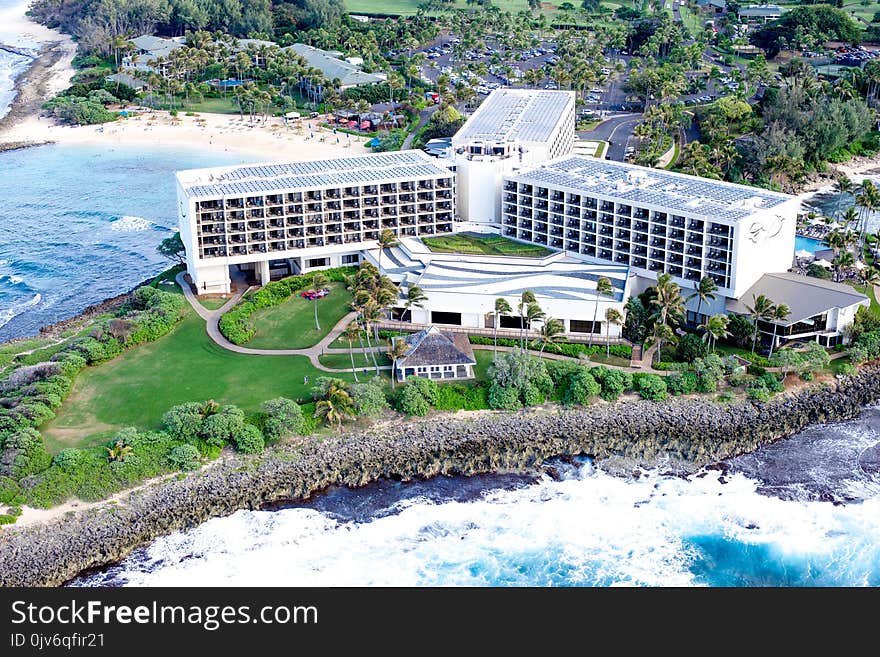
pixel 763 309
pixel 526 298
pixel 705 292
pixel 335 406
pixel 715 329
pixel 387 240
pixel 663 333
pixel 690 348
pixel 319 282
pixel 604 288
pixel 352 332
pixel 173 249
pixel 397 348
pixel 415 297
pixel 613 317
pixel 669 302
pixel 501 307
pixel 283 417
pixel 786 360
pixel 119 451
pixel 551 330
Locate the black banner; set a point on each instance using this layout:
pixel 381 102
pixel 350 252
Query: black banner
pixel 168 621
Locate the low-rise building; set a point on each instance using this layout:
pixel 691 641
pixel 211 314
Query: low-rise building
pixel 760 13
pixel 333 68
pixel 432 354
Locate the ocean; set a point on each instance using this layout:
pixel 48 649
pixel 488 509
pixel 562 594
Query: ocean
pixel 804 511
pixel 12 64
pixel 79 224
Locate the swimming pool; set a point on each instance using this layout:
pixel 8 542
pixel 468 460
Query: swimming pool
pixel 808 244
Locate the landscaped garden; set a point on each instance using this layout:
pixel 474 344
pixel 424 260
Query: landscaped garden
pixel 291 324
pixel 494 245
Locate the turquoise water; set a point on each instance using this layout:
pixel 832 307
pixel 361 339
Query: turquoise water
pixel 79 224
pixel 810 244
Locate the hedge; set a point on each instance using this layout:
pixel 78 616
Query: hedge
pixel 572 349
pixel 236 325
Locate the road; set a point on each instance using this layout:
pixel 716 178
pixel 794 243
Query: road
pixel 424 116
pixel 617 130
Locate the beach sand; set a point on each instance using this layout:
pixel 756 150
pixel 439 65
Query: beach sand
pixel 271 140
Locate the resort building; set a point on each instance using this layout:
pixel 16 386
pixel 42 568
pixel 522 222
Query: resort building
pixel 653 221
pixel 150 52
pixel 461 289
pixel 760 13
pixel 820 310
pixel 432 354
pixel 512 129
pixel 334 68
pixel 306 215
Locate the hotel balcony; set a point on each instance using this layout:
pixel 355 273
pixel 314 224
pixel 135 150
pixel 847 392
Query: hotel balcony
pixel 254 202
pixel 444 216
pixel 254 214
pixel 388 188
pixel 315 241
pixel 624 210
pixel 276 223
pixel 571 245
pixel 541 239
pixel 274 199
pixel 352 238
pixel 294 209
pixel 573 199
pixel 407 186
pixel 640 263
pixel 314 207
pixel 557 196
pixel 371 224
pixel 239 250
pixel 390 222
pixel 676 234
pixel 333 228
pixel 541 192
pixel 234 203
pixel 295 232
pixel 696 224
pixel 719 229
pixel 276 246
pixel 332 205
pixel 675 271
pixel 389 200
pixel 510 231
pixel 314 219
pixel 296 244
pixel 257 248
pixel 294 197
pixel 695 238
pixel 256 225
pixel 209 205
pixel 606 254
pixel 509 186
pixel 622 258
pixel 444 227
pixel 655 265
pixel 425 184
pixel 588 250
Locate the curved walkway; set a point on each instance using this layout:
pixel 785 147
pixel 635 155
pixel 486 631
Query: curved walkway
pixel 212 326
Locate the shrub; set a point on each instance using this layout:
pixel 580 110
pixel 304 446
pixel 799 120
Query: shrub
pixel 223 426
pixel 282 417
pixel 183 421
pixel 524 373
pixel 771 382
pixel 756 370
pixel 184 457
pixel 759 393
pixel 571 349
pixel 847 369
pixel 681 383
pixel 426 387
pixel 455 397
pixel 23 454
pixel 412 401
pixel 9 490
pixel 582 389
pixel 807 376
pixel 691 347
pixel 68 459
pixel 249 440
pixel 504 398
pixel 653 387
pixel 614 382
pixel 736 380
pixel 725 396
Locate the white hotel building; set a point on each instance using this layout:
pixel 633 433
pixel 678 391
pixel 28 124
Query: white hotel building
pixel 306 215
pixel 510 171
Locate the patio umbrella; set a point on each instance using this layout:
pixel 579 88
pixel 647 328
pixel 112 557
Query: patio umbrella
pixel 859 265
pixel 822 262
pixel 803 253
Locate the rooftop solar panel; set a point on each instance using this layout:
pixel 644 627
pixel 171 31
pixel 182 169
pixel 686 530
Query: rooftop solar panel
pixel 524 115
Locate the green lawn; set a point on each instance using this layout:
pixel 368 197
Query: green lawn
pixel 869 292
pixel 484 360
pixel 342 361
pixel 212 304
pixel 136 388
pixel 490 245
pixel 609 360
pixel 291 325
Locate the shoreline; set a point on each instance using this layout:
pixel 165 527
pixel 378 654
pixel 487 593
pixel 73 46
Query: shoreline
pixel 684 432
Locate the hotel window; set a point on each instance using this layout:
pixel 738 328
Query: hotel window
pixel 317 262
pixel 351 259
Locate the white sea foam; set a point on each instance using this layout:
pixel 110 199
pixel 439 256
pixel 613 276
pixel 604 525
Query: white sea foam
pixel 7 314
pixel 593 529
pixel 129 224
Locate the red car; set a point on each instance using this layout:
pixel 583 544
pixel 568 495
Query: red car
pixel 311 295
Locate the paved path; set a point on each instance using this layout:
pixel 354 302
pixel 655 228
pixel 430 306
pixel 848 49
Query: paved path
pixel 424 116
pixel 212 326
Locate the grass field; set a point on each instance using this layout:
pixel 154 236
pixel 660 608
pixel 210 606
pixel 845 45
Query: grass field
pixel 291 325
pixel 342 361
pixel 491 245
pixel 869 292
pixel 212 304
pixel 136 388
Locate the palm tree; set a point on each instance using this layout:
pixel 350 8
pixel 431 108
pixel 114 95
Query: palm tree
pixel 705 291
pixel 662 333
pixel 868 200
pixel 551 330
pixel 843 262
pixel 319 282
pixel 842 187
pixel 335 407
pixel 870 275
pixel 387 239
pixel 780 313
pixel 397 348
pixel 762 308
pixel 118 452
pixel 501 308
pixel 415 297
pixel 526 298
pixel 613 317
pixel 533 314
pixel 352 332
pixel 715 329
pixel 669 302
pixel 605 289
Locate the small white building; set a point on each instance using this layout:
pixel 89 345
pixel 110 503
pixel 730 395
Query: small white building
pixel 511 129
pixel 432 354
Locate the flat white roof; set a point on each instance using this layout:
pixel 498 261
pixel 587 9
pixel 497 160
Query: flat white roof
pixel 517 115
pixel 372 168
pixel 567 280
pixel 678 192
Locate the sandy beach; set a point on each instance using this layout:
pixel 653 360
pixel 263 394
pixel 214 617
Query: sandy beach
pixel 272 139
